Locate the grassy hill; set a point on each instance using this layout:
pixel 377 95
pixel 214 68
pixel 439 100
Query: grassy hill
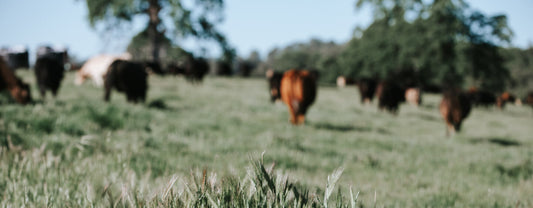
pixel 79 151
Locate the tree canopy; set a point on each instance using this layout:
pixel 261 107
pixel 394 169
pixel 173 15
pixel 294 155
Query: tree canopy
pixel 441 42
pixel 168 20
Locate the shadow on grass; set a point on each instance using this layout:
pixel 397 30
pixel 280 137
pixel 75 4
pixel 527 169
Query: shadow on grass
pixel 159 104
pixel 340 128
pixel 347 128
pixel 497 141
pixel 424 116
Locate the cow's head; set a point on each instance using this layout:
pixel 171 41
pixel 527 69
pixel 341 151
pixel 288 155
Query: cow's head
pixel 153 67
pixel 80 77
pixel 274 81
pixel 21 93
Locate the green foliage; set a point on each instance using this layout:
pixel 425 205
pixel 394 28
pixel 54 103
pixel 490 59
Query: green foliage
pixel 446 43
pixel 315 54
pixel 197 20
pixel 520 64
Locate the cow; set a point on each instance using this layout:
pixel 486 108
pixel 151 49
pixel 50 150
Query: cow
pixel 49 73
pixel 343 81
pixel 175 69
pixel 96 67
pixel 274 83
pixel 18 90
pixel 431 88
pixel 153 67
pixel 245 68
pixel 129 77
pixel 481 97
pixel 529 99
pixel 16 57
pixel 223 68
pixel 60 54
pixel 195 69
pixel 390 94
pixel 504 98
pixel 298 89
pixel 367 89
pixel 413 96
pixel 454 108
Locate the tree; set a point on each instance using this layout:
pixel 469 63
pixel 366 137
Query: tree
pixel 441 41
pixel 197 20
pixel 316 54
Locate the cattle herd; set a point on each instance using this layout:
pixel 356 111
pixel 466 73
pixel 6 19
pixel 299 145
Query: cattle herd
pixel 297 88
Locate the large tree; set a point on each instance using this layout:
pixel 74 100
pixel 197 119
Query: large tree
pixel 183 19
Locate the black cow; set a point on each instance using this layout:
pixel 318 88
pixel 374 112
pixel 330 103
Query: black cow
pixel 390 94
pixel 195 69
pixel 59 54
pixel 129 77
pixel 223 68
pixel 481 97
pixel 367 89
pixel 274 83
pixel 49 73
pixel 153 67
pixel 16 57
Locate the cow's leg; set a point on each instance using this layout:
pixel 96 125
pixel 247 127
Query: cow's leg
pixel 42 91
pixel 451 130
pixel 301 114
pixel 54 92
pixel 300 119
pixel 292 114
pixel 107 93
pixel 130 97
pixel 143 96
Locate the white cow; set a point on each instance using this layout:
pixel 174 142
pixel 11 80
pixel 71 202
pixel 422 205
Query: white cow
pixel 96 67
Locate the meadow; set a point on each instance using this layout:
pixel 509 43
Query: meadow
pixel 224 144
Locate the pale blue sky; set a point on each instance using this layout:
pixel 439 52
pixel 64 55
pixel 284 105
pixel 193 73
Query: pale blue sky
pixel 249 24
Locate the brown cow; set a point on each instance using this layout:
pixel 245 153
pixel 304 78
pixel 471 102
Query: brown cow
pixel 413 96
pixel 367 89
pixel 454 108
pixel 297 90
pixel 19 90
pixel 529 99
pixel 504 98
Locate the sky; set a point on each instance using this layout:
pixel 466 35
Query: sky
pixel 249 24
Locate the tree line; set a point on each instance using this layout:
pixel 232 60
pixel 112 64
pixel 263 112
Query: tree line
pixel 426 43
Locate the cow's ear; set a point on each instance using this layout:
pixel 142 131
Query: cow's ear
pixel 269 73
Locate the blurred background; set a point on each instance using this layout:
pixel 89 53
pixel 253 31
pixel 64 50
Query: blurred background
pixel 481 43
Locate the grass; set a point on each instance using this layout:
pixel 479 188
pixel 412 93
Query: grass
pixel 192 146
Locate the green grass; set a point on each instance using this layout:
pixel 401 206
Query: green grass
pixel 79 151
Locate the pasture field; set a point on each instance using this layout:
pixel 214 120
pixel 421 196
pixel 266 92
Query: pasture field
pixel 200 145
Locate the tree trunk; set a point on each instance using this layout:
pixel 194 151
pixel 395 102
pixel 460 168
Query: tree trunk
pixel 153 13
